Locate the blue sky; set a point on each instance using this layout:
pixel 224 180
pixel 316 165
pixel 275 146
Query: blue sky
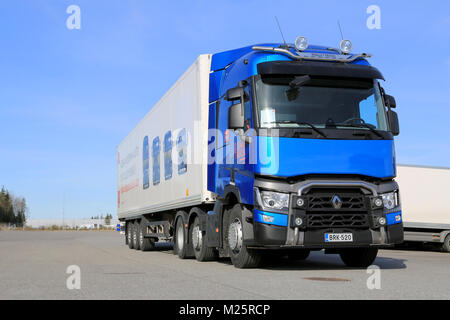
pixel 68 97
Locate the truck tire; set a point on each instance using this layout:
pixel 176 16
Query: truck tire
pixel 446 244
pixel 299 254
pixel 136 235
pixel 130 234
pixel 358 257
pixel 180 246
pixel 241 257
pixel 146 244
pixel 198 240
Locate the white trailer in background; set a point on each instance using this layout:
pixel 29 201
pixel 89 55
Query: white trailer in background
pixel 425 198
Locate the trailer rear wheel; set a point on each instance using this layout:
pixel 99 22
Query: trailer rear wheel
pixel 241 257
pixel 130 234
pixel 136 235
pixel 198 238
pixel 446 244
pixel 146 244
pixel 358 257
pixel 179 245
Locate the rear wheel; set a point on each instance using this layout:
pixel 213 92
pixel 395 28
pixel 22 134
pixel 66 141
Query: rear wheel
pixel 137 235
pixel 130 234
pixel 241 257
pixel 446 244
pixel 145 244
pixel 180 243
pixel 198 238
pixel 358 257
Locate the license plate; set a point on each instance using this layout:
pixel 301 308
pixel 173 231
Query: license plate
pixel 338 237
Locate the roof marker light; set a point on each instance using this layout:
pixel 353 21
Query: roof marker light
pixel 346 46
pixel 301 43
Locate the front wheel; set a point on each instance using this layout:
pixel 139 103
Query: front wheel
pixel 299 254
pixel 358 257
pixel 241 257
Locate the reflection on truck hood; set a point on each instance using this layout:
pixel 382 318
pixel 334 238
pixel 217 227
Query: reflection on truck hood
pixel 289 157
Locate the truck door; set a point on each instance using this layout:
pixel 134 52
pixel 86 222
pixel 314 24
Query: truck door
pixel 234 166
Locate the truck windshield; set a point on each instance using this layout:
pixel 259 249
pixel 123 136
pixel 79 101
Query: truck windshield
pixel 330 103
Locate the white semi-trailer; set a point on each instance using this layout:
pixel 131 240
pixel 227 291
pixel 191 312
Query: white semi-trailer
pixel 152 160
pixel 425 203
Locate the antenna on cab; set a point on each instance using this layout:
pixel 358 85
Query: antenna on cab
pixel 282 36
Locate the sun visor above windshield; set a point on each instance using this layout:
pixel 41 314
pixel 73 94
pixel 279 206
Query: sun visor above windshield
pixel 326 69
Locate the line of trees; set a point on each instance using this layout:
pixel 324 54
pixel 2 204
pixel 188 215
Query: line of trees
pixel 107 218
pixel 12 209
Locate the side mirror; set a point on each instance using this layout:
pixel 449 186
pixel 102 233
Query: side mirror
pixel 393 122
pixel 235 117
pixel 234 94
pixel 390 101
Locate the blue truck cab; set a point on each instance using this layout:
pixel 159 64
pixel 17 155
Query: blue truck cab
pixel 304 154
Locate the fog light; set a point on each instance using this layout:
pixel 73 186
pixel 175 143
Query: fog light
pixel 298 221
pixel 301 43
pixel 378 202
pixel 267 219
pixel 382 221
pixel 300 202
pixel 346 46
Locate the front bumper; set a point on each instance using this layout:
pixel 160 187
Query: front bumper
pixel 266 235
pixel 280 231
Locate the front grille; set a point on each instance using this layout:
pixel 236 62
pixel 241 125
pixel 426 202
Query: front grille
pixel 323 201
pixel 351 213
pixel 337 220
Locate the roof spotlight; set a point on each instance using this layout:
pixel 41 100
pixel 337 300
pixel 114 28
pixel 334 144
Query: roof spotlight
pixel 301 43
pixel 346 46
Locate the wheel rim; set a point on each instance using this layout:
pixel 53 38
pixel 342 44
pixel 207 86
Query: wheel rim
pixel 180 236
pixel 197 238
pixel 235 236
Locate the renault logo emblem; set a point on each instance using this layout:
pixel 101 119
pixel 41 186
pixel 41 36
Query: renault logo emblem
pixel 336 201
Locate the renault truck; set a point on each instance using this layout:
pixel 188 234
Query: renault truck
pixel 267 149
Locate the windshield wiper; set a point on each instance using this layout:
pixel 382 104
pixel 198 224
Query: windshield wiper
pixel 301 123
pixel 362 125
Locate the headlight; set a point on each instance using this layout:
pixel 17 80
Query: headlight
pixel 389 200
pixel 275 200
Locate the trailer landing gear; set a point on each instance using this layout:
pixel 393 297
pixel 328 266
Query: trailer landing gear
pixel 145 244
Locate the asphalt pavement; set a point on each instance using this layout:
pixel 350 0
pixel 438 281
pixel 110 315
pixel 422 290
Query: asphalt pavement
pixel 34 265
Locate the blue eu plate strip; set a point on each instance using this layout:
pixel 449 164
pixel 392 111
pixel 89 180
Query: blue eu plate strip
pixel 394 218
